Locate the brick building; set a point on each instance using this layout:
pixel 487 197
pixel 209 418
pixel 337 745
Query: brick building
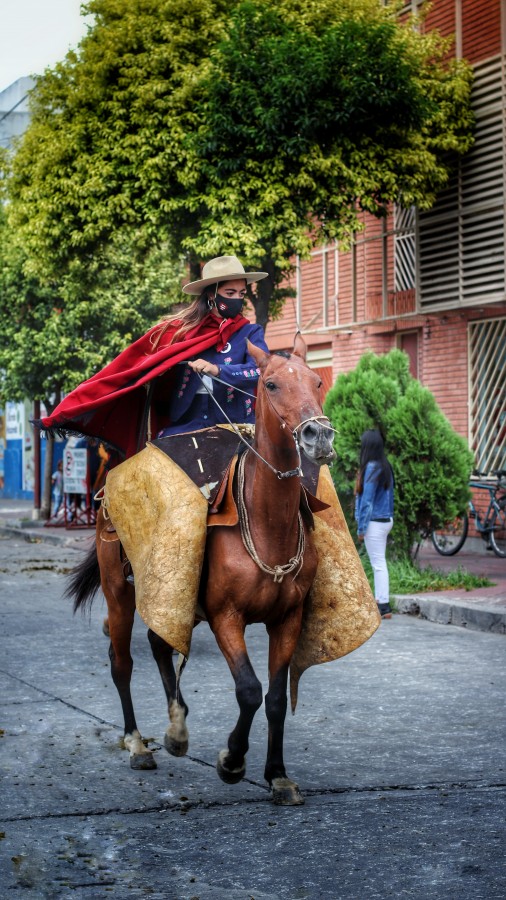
pixel 432 283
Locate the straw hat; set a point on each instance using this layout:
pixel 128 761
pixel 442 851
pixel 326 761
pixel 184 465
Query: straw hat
pixel 223 268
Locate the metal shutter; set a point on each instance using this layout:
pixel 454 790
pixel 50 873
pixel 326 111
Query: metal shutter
pixel 462 238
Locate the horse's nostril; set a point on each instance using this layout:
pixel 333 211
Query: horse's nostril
pixel 310 432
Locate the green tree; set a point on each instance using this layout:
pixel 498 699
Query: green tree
pixel 223 126
pixel 57 332
pixel 431 462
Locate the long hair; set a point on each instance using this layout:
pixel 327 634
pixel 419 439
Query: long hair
pixel 192 316
pixel 372 450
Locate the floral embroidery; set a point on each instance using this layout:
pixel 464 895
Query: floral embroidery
pixel 228 360
pixel 184 382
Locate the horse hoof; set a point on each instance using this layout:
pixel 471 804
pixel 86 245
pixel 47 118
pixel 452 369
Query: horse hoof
pixel 286 792
pixel 229 776
pixel 105 628
pixel 175 747
pixel 142 761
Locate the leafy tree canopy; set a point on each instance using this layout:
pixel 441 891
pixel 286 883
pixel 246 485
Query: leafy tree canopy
pixel 231 127
pixel 431 462
pixel 57 332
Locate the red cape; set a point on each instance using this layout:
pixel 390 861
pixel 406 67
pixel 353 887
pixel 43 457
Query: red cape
pixel 113 404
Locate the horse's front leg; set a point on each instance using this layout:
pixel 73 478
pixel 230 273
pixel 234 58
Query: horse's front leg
pixel 282 642
pixel 229 633
pixel 176 737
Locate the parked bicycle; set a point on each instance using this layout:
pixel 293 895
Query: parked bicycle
pixel 491 525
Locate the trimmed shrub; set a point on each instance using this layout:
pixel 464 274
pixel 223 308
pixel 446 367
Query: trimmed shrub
pixel 431 462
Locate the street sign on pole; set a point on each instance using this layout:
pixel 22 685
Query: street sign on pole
pixel 74 470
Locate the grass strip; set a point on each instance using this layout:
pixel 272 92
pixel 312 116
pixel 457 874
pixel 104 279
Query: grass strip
pixel 406 577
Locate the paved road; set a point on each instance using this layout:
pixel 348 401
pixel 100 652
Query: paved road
pixel 399 750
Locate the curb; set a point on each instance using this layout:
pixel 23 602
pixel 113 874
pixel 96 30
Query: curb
pixel 447 612
pixel 32 536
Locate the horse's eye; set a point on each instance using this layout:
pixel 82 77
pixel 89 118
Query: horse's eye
pixel 270 386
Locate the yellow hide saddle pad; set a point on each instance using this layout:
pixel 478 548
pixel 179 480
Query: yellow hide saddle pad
pixel 161 519
pixel 160 516
pixel 340 612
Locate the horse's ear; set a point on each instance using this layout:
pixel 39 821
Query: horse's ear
pixel 299 346
pixel 260 356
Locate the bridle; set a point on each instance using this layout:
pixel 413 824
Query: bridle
pixel 291 473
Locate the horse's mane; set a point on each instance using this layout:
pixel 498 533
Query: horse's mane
pixel 284 353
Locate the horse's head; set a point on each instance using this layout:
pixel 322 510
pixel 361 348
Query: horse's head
pixel 292 391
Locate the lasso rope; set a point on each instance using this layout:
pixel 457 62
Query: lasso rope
pixel 278 572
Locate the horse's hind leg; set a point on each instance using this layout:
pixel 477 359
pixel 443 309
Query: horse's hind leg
pixel 120 598
pixel 176 737
pixel 231 765
pixel 282 643
pixel 120 626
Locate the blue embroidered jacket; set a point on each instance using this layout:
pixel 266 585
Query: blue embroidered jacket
pixel 237 369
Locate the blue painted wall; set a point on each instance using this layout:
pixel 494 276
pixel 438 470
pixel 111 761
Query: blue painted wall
pixel 13 468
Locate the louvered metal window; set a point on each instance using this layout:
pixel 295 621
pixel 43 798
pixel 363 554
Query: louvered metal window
pixel 461 240
pixel 404 248
pixel 487 392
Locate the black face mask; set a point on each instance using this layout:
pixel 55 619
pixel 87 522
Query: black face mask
pixel 228 307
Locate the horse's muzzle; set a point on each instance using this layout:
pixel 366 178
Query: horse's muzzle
pixel 315 441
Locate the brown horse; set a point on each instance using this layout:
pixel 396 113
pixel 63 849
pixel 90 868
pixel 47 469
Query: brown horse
pixel 257 571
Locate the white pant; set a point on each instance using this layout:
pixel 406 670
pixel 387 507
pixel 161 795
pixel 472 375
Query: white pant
pixel 375 539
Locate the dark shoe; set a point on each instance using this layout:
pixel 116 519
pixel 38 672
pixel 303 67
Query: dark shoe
pixel 385 610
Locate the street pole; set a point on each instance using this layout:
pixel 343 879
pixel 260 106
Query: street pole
pixel 36 462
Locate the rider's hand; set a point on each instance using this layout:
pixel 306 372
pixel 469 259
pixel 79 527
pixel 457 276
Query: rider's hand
pixel 204 367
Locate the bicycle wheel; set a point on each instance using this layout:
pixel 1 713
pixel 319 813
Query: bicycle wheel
pixel 450 539
pixel 498 533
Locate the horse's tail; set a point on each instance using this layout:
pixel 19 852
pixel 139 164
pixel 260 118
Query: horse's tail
pixel 84 581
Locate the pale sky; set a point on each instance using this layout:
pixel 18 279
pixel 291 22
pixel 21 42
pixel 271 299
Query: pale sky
pixel 35 34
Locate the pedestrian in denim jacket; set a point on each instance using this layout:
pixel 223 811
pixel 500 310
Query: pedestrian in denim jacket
pixel 374 510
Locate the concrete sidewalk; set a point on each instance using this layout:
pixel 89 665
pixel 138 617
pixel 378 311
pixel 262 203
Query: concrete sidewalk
pixel 482 609
pixel 16 518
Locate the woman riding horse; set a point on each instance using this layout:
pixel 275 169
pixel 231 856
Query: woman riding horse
pixel 258 568
pixel 148 390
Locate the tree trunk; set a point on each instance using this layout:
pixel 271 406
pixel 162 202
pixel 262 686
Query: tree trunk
pixel 195 269
pixel 45 509
pixel 264 291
